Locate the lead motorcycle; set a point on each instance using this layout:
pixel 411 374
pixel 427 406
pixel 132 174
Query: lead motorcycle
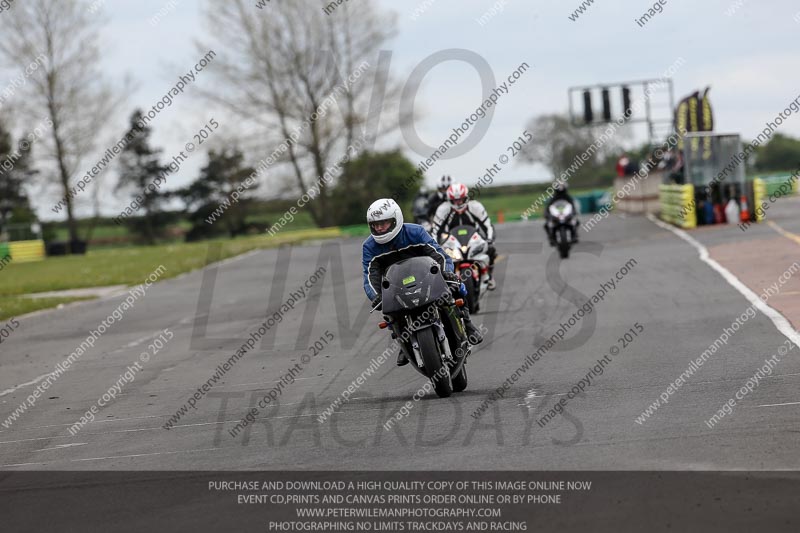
pixel 560 226
pixel 470 254
pixel 413 292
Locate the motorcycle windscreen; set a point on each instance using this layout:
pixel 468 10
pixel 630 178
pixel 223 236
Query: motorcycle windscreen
pixel 561 209
pixel 463 234
pixel 410 284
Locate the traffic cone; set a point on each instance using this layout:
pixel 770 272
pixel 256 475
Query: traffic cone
pixel 744 214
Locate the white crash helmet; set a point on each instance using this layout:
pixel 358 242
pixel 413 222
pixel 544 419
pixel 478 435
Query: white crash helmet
pixel 381 211
pixel 445 182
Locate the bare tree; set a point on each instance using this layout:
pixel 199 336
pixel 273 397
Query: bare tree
pixel 68 87
pixel 580 154
pixel 286 71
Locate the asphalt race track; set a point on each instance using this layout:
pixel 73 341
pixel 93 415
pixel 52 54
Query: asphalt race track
pixel 682 305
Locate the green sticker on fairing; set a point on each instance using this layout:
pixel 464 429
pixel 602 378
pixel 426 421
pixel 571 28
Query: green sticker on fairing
pixel 463 231
pixel 409 279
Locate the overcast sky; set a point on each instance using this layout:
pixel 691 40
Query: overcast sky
pixel 749 58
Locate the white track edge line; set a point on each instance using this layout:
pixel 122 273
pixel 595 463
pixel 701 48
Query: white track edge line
pixel 780 322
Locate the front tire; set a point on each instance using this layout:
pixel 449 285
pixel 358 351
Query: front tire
pixel 434 366
pixel 563 244
pixel 472 293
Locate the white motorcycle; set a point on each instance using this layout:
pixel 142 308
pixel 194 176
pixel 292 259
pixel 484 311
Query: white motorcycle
pixel 560 226
pixel 470 254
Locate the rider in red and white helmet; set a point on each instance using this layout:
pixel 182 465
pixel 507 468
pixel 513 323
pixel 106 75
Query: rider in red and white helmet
pixel 458 196
pixel 460 210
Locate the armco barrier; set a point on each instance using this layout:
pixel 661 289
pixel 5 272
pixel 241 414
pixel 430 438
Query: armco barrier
pixel 774 182
pixel 26 251
pixel 677 205
pixel 590 201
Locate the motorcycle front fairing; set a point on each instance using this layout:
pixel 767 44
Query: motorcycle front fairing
pixel 412 284
pixel 413 290
pixel 561 211
pixel 473 245
pixel 452 247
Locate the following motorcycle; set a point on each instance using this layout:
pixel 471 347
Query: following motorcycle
pixel 470 254
pixel 420 211
pixel 560 226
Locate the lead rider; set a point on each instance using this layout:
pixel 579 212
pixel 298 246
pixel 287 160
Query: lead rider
pixel 390 241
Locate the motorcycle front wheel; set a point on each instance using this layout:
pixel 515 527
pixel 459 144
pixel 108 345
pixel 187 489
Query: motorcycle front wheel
pixel 563 244
pixel 435 368
pixel 472 293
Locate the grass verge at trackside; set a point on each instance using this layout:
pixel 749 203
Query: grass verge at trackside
pixel 513 205
pixel 129 266
pixel 14 306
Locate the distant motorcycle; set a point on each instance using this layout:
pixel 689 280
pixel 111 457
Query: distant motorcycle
pixel 426 225
pixel 560 226
pixel 470 254
pixel 433 337
pixel 420 210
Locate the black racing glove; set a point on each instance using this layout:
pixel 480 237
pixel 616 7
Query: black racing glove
pixel 450 276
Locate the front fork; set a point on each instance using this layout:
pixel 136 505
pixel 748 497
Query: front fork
pixel 461 342
pixel 451 314
pixel 444 346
